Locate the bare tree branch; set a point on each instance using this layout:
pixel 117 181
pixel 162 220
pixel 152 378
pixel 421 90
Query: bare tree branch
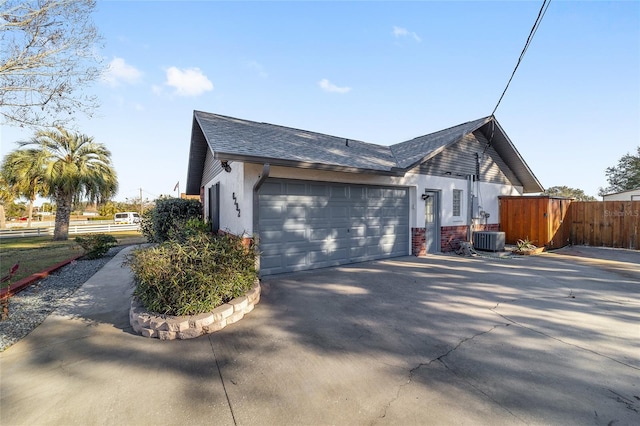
pixel 48 57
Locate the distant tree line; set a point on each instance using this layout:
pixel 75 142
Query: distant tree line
pixel 565 191
pixel 624 176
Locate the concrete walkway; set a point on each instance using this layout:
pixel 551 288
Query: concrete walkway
pixel 547 339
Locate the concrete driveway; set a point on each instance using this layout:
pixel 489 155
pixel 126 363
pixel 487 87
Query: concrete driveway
pixel 550 339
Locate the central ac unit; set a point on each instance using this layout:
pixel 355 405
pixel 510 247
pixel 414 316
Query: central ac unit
pixel 489 241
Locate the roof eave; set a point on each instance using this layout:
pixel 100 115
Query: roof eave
pixel 534 184
pixel 393 171
pixel 198 146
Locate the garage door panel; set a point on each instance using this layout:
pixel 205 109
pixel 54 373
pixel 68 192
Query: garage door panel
pixel 339 192
pixel 271 188
pixel 358 231
pixel 318 257
pixel 270 212
pixel 318 189
pixel 294 235
pixel 320 234
pixel 295 259
pixel 296 189
pixel 339 212
pixel 331 256
pixel 358 252
pixel 306 225
pixel 319 213
pixel 389 212
pixel 296 212
pixel 359 211
pixel 390 230
pixel 358 193
pixel 374 192
pixel 271 262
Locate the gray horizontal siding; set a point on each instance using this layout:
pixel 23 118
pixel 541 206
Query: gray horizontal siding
pixel 212 168
pixel 493 168
pixel 459 160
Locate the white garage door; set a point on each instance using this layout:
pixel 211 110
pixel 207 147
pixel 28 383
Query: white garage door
pixel 306 225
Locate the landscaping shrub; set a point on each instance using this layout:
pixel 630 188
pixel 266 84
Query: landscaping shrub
pixel 193 276
pixel 99 218
pixel 97 245
pixel 181 230
pixel 168 219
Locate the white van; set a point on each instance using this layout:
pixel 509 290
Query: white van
pixel 127 217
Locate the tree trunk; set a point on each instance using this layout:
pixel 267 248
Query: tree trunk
pixel 29 213
pixel 63 215
pixel 3 219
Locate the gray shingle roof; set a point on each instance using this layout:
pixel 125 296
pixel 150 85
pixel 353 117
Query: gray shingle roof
pixel 233 138
pixel 243 140
pixel 415 151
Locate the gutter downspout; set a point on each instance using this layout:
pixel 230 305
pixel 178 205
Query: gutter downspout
pixel 469 207
pixel 266 168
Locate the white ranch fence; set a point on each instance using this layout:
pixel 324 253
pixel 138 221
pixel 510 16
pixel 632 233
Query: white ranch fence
pixel 73 229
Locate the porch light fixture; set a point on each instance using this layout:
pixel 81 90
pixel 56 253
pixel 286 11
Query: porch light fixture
pixel 225 165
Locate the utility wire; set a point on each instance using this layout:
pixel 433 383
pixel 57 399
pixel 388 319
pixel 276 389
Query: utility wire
pixel 541 13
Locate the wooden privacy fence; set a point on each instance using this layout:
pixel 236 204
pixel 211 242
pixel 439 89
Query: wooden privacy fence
pixel 539 219
pixel 606 223
pixel 554 222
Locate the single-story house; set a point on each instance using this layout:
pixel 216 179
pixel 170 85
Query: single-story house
pixel 312 200
pixel 630 195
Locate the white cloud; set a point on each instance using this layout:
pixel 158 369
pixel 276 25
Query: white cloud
pixel 403 32
pixel 400 32
pixel 327 86
pixel 119 72
pixel 258 68
pixel 188 82
pixel 157 90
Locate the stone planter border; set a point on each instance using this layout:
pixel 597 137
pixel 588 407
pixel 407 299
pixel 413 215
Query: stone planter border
pixel 534 251
pixel 169 327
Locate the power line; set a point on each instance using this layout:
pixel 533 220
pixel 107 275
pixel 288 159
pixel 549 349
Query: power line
pixel 534 29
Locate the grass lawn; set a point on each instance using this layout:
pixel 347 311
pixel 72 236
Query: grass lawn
pixel 35 254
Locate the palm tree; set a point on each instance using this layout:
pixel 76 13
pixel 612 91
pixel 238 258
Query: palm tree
pixel 23 170
pixel 7 196
pixel 75 167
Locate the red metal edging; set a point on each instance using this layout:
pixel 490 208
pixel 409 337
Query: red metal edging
pixel 20 285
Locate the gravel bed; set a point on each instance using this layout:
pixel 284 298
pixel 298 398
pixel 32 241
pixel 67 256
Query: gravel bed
pixel 32 305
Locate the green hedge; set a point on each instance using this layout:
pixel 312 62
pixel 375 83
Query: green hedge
pixel 192 276
pixel 168 219
pixel 96 245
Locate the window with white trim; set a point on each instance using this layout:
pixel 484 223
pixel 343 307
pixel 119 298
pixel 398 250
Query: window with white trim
pixel 457 202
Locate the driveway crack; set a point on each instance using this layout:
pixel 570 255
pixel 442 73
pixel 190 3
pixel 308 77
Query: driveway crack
pixel 440 359
pixel 226 394
pixel 629 403
pixel 512 321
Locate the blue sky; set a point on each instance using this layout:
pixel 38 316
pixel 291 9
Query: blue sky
pixel 381 72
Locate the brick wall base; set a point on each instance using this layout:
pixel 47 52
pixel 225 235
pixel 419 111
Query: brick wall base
pixel 450 237
pixel 418 242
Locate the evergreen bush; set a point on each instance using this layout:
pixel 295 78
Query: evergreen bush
pixel 169 218
pixel 96 245
pixel 192 276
